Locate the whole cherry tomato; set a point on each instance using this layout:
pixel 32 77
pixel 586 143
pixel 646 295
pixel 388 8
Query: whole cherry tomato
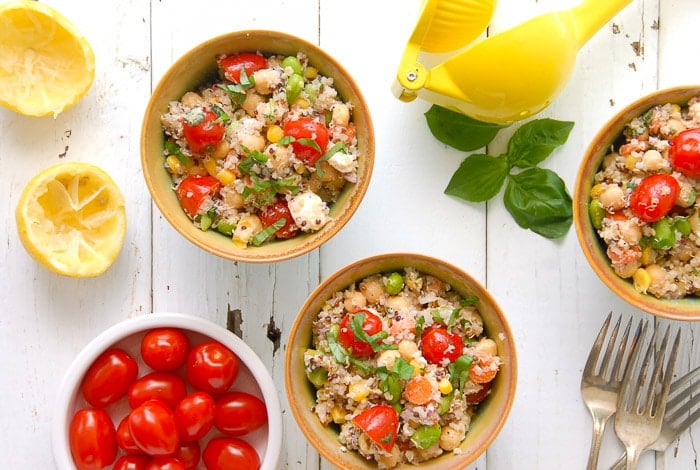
pixel 194 416
pixel 202 129
pixel 371 325
pixel 225 453
pixel 380 423
pixel 124 439
pixel 233 64
pixel 238 413
pixel 437 344
pixel 93 440
pixel 167 387
pixel 211 367
pixel 165 462
pixel 276 211
pixel 189 454
pixel 109 377
pixel 164 349
pixel 153 428
pixel 684 152
pixel 194 189
pixel 307 128
pixel 132 462
pixel 654 197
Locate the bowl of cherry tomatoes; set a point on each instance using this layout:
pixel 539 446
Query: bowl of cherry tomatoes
pixel 167 391
pixel 636 207
pixel 400 359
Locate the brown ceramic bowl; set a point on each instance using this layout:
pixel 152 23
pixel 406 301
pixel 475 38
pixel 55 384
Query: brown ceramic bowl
pixel 491 414
pixel 592 245
pixel 197 67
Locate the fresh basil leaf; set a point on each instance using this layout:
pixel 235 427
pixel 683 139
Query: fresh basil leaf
pixel 337 350
pixel 337 147
pixel 538 200
pixel 478 178
pixel 460 131
pixel 459 371
pixel 402 368
pixel 419 326
pixel 173 149
pixel 263 235
pixel 286 140
pixel 469 301
pixel 535 141
pixel 310 143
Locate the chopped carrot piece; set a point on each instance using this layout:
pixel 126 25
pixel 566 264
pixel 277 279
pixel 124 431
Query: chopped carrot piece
pixel 484 368
pixel 419 390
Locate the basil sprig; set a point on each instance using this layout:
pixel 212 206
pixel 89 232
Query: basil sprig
pixel 173 149
pixel 375 340
pixel 264 191
pixel 263 235
pixel 459 371
pixel 236 91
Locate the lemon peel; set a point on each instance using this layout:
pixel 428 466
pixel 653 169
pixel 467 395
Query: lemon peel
pixel 72 220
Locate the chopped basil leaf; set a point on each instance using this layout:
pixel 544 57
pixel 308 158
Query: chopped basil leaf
pixel 365 368
pixel 263 235
pixel 469 301
pixel 310 143
pixel 419 326
pixel 387 439
pixel 337 350
pixel 236 91
pixel 221 115
pixel 173 149
pixel 286 140
pixel 402 368
pixel 253 157
pixel 264 191
pixel 453 318
pixel 459 371
pixel 337 147
pixel 374 341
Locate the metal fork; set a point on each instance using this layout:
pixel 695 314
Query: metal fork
pixel 600 384
pixel 683 398
pixel 642 400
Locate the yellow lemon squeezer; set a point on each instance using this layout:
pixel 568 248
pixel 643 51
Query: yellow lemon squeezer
pixel 503 78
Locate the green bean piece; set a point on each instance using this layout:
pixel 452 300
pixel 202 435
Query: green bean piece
pixel 295 83
pixel 596 213
pixel 426 436
pixel 392 385
pixel 205 221
pixel 664 234
pixel 226 227
pixel 293 63
pixel 394 284
pixel 445 402
pixel 682 224
pixel 311 90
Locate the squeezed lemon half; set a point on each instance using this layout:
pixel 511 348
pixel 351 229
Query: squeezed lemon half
pixel 46 65
pixel 71 219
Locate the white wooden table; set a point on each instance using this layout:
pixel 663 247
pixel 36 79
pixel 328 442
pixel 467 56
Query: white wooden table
pixel 553 300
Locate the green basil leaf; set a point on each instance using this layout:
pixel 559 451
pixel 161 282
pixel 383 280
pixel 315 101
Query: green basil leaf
pixel 173 149
pixel 337 147
pixel 460 131
pixel 263 235
pixel 337 350
pixel 535 141
pixel 402 368
pixel 478 178
pixel 538 200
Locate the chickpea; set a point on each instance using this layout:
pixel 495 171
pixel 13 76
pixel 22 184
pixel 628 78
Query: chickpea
pixel 630 232
pixel 389 460
pixel 251 102
pixel 340 114
pixel 398 303
pixel 487 345
pixel 246 228
pixel 221 150
pixel 253 142
pixel 232 198
pixel 658 277
pixel 626 270
pixel 372 288
pixel 354 300
pixel 435 285
pixel 612 197
pixel 192 100
pixel 388 358
pixel 694 220
pixel 450 438
pixel 266 80
pixel 474 324
pixel 407 349
pixel 610 160
pixel 672 127
pixel 652 160
pixel 686 196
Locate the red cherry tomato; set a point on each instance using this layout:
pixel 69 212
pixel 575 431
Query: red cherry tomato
pixel 225 453
pixel 109 377
pixel 480 395
pixel 164 349
pixel 153 428
pixel 194 189
pixel 211 367
pixel 238 413
pixel 307 128
pixel 654 197
pixel 124 439
pixel 684 152
pixel 132 462
pixel 372 325
pixel 189 454
pixel 380 423
pixel 202 129
pixel 167 387
pixel 233 64
pixel 438 344
pixel 164 462
pixel 194 416
pixel 93 440
pixel 276 211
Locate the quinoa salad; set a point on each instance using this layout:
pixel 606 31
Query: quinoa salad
pixel 644 202
pixel 400 363
pixel 263 152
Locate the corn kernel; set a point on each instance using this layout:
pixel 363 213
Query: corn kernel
pixel 445 386
pixel 210 165
pixel 596 190
pixel 175 165
pixel 226 177
pixel 274 133
pixel 358 391
pixel 630 162
pixel 310 73
pixel 641 280
pixel 302 102
pixel 338 415
pixel 648 256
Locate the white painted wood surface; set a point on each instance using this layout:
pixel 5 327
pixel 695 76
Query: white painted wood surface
pixel 552 298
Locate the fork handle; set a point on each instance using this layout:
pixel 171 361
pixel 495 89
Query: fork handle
pixel 632 458
pixel 620 463
pixel 596 440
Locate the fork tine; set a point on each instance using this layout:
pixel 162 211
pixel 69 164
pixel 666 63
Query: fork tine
pixel 650 403
pixel 596 348
pixel 660 405
pixel 675 406
pixel 680 382
pixel 622 359
pixel 626 398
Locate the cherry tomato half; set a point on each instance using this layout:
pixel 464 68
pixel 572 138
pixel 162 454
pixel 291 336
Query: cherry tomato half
pixel 194 416
pixel 225 453
pixel 167 387
pixel 307 128
pixel 276 211
pixel 380 423
pixel 684 152
pixel 165 462
pixel 371 325
pixel 132 462
pixel 109 377
pixel 211 367
pixel 202 129
pixel 164 349
pixel 438 344
pixel 124 439
pixel 479 395
pixel 233 64
pixel 238 413
pixel 194 189
pixel 654 197
pixel 153 428
pixel 93 440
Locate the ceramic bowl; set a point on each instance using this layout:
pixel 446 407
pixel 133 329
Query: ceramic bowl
pixel 591 244
pixel 197 67
pixel 491 414
pixel 253 378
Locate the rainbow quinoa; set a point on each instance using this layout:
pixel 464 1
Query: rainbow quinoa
pixel 400 362
pixel 263 152
pixel 644 202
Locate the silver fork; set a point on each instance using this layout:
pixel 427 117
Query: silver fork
pixel 642 400
pixel 602 378
pixel 683 398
